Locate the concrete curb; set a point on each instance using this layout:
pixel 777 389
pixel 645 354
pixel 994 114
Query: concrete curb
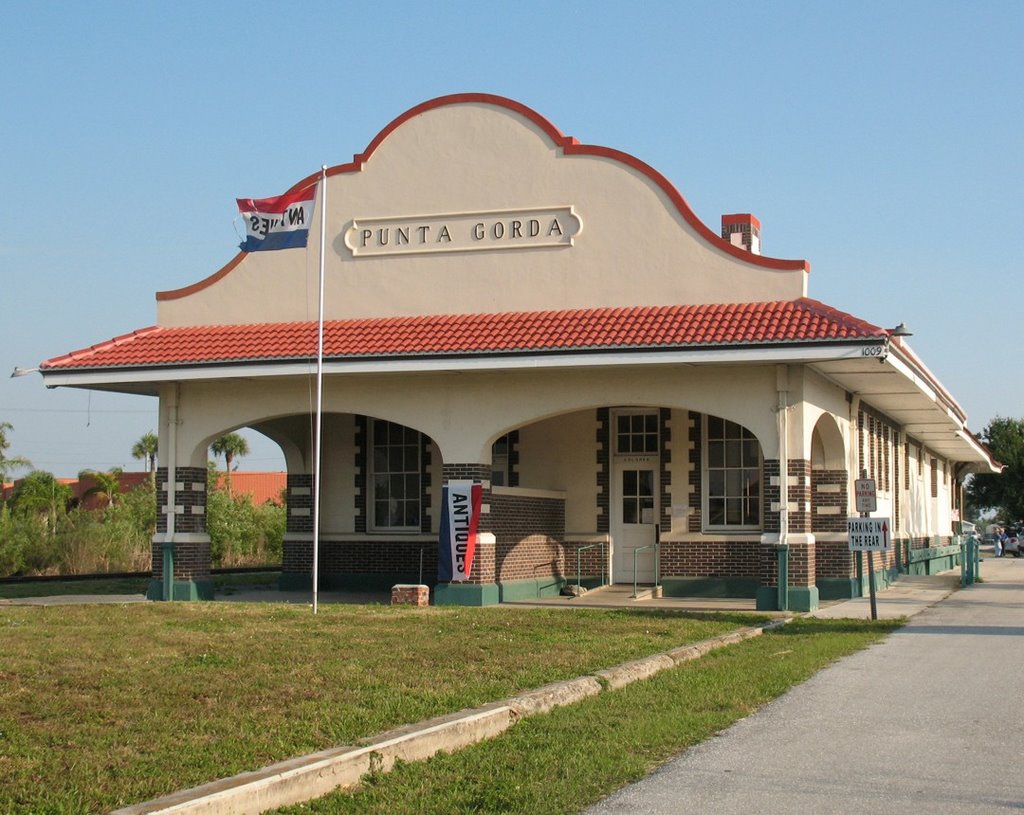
pixel 306 777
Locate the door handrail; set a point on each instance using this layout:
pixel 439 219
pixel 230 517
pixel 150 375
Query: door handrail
pixel 604 560
pixel 656 546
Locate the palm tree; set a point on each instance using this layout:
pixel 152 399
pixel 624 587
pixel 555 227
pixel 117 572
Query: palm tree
pixel 146 448
pixel 230 446
pixel 106 485
pixel 8 464
pixel 39 493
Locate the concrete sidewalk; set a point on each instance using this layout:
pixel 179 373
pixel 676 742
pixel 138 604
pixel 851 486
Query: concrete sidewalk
pixel 926 721
pixel 909 595
pixel 904 598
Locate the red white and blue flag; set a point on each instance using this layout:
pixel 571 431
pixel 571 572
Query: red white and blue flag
pixel 277 223
pixel 460 516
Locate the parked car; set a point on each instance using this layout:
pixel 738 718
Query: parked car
pixel 1014 543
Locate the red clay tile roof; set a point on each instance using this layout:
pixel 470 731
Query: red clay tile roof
pixel 597 329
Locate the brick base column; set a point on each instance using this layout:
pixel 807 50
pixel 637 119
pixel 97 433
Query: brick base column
pixel 480 589
pixel 189 548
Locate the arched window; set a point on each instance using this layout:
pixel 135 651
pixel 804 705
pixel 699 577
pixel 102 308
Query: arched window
pixel 733 469
pixel 396 477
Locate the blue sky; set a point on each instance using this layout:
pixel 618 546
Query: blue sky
pixel 881 141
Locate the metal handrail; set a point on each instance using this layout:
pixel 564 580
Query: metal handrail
pixel 604 561
pixel 656 546
pixel 969 560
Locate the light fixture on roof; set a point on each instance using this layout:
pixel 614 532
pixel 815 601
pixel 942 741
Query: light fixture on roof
pixel 901 331
pixel 19 371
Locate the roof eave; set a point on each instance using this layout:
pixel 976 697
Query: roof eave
pixel 789 352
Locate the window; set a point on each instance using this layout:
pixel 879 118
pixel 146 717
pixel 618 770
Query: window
pixel 733 458
pixel 396 477
pixel 636 433
pixel 638 496
pixel 500 462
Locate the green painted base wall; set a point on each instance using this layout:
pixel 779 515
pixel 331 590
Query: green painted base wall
pixel 838 588
pixel 883 579
pixel 371 582
pixel 292 581
pixel 801 598
pixel 466 594
pixel 709 587
pixel 182 590
pixel 513 590
pixel 443 593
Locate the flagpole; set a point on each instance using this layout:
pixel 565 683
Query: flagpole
pixel 319 389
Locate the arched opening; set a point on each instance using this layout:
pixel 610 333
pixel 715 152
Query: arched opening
pixel 829 509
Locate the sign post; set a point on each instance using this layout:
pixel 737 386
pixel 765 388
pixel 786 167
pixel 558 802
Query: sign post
pixel 868 534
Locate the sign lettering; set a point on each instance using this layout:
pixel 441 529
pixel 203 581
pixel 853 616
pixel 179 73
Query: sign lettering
pixel 464 232
pixel 868 534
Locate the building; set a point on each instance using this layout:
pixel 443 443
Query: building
pixel 550 320
pixel 259 488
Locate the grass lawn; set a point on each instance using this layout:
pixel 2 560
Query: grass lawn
pixel 102 706
pixel 574 756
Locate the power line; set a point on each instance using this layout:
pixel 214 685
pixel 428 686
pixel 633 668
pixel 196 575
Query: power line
pixel 71 410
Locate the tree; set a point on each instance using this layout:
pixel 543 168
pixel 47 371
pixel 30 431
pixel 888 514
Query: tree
pixel 146 448
pixel 230 446
pixel 39 493
pixel 1003 492
pixel 8 464
pixel 106 486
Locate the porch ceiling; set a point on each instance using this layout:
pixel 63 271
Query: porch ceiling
pixel 907 393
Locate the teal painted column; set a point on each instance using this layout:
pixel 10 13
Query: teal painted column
pixel 783 556
pixel 168 589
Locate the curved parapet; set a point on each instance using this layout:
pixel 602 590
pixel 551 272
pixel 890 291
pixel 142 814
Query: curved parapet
pixel 459 178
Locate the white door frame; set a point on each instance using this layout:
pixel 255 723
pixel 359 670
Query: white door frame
pixel 626 537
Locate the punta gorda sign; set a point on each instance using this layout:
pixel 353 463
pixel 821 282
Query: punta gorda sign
pixel 543 227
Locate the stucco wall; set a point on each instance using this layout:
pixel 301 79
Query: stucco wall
pixel 477 158
pixel 559 454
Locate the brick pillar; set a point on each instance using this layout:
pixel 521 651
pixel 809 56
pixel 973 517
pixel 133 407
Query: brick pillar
pixel 835 567
pixel 770 495
pixel 299 503
pixel 297 548
pixel 803 551
pixel 190 546
pixel 603 444
pixel 801 580
pixel 665 474
pixel 696 520
pixel 799 495
pixel 481 588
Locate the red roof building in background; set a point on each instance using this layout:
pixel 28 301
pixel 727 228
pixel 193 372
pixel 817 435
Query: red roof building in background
pixel 507 307
pixel 259 488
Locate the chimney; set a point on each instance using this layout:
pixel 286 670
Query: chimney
pixel 744 230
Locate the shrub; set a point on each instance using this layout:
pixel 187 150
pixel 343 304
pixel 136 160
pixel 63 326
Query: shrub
pixel 42 537
pixel 117 538
pixel 242 534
